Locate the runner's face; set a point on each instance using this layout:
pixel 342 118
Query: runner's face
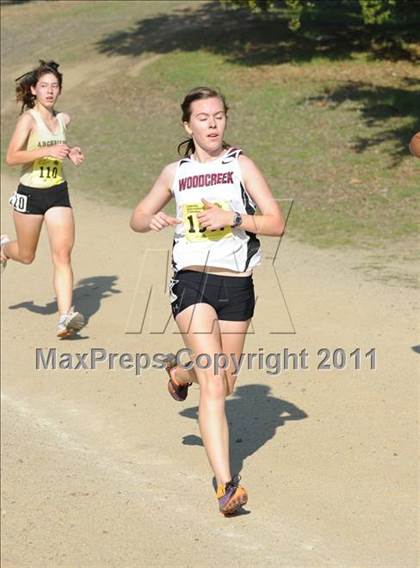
pixel 207 124
pixel 47 90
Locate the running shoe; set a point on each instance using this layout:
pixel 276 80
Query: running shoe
pixel 178 391
pixel 3 240
pixel 70 323
pixel 231 496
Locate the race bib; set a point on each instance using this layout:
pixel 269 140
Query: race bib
pixel 193 231
pixel 48 170
pixel 19 202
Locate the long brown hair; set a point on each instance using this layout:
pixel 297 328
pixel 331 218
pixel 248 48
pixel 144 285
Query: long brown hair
pixel 187 146
pixel 30 79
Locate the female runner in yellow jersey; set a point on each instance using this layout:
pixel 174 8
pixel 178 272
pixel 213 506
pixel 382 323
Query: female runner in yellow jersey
pixel 39 145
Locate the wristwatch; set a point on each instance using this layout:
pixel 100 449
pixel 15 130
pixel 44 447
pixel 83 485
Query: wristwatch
pixel 237 220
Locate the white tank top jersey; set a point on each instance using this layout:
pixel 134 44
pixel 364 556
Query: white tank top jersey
pixel 218 181
pixel 44 172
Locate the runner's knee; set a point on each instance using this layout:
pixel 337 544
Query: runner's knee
pixel 61 257
pixel 213 386
pixel 27 257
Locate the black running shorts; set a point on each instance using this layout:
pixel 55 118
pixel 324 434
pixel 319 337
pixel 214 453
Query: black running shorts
pixel 35 201
pixel 231 296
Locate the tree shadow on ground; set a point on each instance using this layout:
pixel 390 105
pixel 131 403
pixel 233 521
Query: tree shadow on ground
pixel 253 415
pixel 87 297
pixel 378 106
pixel 256 39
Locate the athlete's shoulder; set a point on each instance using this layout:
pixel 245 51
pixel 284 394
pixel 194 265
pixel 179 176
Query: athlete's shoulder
pixel 179 165
pixel 26 118
pixel 243 159
pixel 246 162
pixel 25 122
pixel 168 172
pixel 248 167
pixel 171 168
pixel 64 117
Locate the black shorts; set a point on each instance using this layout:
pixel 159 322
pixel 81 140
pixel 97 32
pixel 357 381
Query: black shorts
pixel 232 297
pixel 35 201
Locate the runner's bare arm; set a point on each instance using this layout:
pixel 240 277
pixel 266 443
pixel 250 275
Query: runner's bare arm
pixel 17 155
pixel 148 214
pixel 75 154
pixel 270 221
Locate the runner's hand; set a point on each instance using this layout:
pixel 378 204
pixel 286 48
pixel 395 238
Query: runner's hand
pixel 214 217
pixel 59 151
pixel 161 220
pixel 76 155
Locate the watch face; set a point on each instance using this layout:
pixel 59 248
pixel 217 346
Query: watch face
pixel 238 220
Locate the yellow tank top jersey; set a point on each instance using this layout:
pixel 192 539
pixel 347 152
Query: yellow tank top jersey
pixel 48 171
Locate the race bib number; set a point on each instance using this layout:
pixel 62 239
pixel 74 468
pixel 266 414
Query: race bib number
pixel 48 169
pixel 19 202
pixel 193 231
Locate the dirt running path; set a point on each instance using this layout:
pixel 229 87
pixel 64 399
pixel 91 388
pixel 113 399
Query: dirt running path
pixel 103 469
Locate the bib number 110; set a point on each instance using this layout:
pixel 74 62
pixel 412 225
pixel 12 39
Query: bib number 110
pixel 49 172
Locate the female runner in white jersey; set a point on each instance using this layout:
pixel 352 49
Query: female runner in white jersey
pixel 215 250
pixel 39 145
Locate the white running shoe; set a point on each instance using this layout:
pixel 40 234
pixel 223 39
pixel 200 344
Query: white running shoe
pixel 3 240
pixel 70 323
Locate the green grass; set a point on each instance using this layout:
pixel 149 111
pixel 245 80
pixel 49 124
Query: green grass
pixel 329 129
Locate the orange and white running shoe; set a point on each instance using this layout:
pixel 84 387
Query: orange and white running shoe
pixel 70 323
pixel 231 496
